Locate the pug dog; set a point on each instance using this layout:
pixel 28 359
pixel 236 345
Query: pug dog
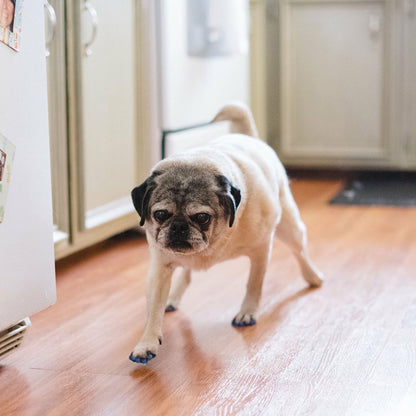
pixel 213 203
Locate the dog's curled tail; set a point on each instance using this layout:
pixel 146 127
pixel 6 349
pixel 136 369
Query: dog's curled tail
pixel 241 119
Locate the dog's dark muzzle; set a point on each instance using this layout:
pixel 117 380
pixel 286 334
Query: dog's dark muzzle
pixel 178 235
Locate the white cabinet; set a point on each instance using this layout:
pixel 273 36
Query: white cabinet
pixel 346 83
pixel 335 79
pixel 99 138
pixel 102 129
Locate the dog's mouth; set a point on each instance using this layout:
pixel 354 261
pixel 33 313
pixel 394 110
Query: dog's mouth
pixel 180 246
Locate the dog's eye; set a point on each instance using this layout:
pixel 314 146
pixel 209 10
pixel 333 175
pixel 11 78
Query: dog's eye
pixel 202 218
pixel 161 216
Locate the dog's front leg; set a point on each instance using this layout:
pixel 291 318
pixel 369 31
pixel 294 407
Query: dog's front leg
pixel 157 290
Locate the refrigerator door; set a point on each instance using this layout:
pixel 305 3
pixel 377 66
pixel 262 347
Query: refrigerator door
pixel 27 276
pixel 203 59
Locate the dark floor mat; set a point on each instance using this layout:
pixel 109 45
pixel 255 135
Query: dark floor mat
pixel 379 188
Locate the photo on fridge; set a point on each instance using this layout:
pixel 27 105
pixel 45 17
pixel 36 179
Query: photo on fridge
pixel 11 12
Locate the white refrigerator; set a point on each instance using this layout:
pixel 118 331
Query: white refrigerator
pixel 27 273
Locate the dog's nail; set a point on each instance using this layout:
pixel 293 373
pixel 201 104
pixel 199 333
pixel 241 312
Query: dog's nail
pixel 170 308
pixel 135 359
pixel 150 355
pixel 140 360
pixel 160 341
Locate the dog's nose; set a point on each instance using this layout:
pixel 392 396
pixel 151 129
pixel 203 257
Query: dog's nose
pixel 179 227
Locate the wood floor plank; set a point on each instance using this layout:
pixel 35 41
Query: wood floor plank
pixel 348 348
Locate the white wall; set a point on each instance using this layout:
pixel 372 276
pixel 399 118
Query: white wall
pixel 195 88
pixel 27 278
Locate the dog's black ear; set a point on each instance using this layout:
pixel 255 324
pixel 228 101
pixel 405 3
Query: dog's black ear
pixel 229 198
pixel 141 196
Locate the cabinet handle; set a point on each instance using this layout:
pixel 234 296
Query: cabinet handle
pixel 89 8
pixel 52 22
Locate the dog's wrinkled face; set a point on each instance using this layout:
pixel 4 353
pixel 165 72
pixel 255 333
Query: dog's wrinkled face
pixel 185 208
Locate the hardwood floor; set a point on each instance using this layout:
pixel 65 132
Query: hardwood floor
pixel 348 348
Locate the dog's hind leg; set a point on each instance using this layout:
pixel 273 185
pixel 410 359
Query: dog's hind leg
pixel 292 231
pixel 259 260
pixel 177 291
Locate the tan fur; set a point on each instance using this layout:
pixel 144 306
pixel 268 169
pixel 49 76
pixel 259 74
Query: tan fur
pixel 267 207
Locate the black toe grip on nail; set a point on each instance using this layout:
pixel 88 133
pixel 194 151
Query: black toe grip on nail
pixel 242 323
pixel 170 308
pixel 142 360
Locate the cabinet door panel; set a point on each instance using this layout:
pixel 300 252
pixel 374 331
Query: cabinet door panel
pixel 108 111
pixel 334 79
pixel 56 78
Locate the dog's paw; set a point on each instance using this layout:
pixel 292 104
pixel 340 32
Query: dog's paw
pixel 145 351
pixel 244 319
